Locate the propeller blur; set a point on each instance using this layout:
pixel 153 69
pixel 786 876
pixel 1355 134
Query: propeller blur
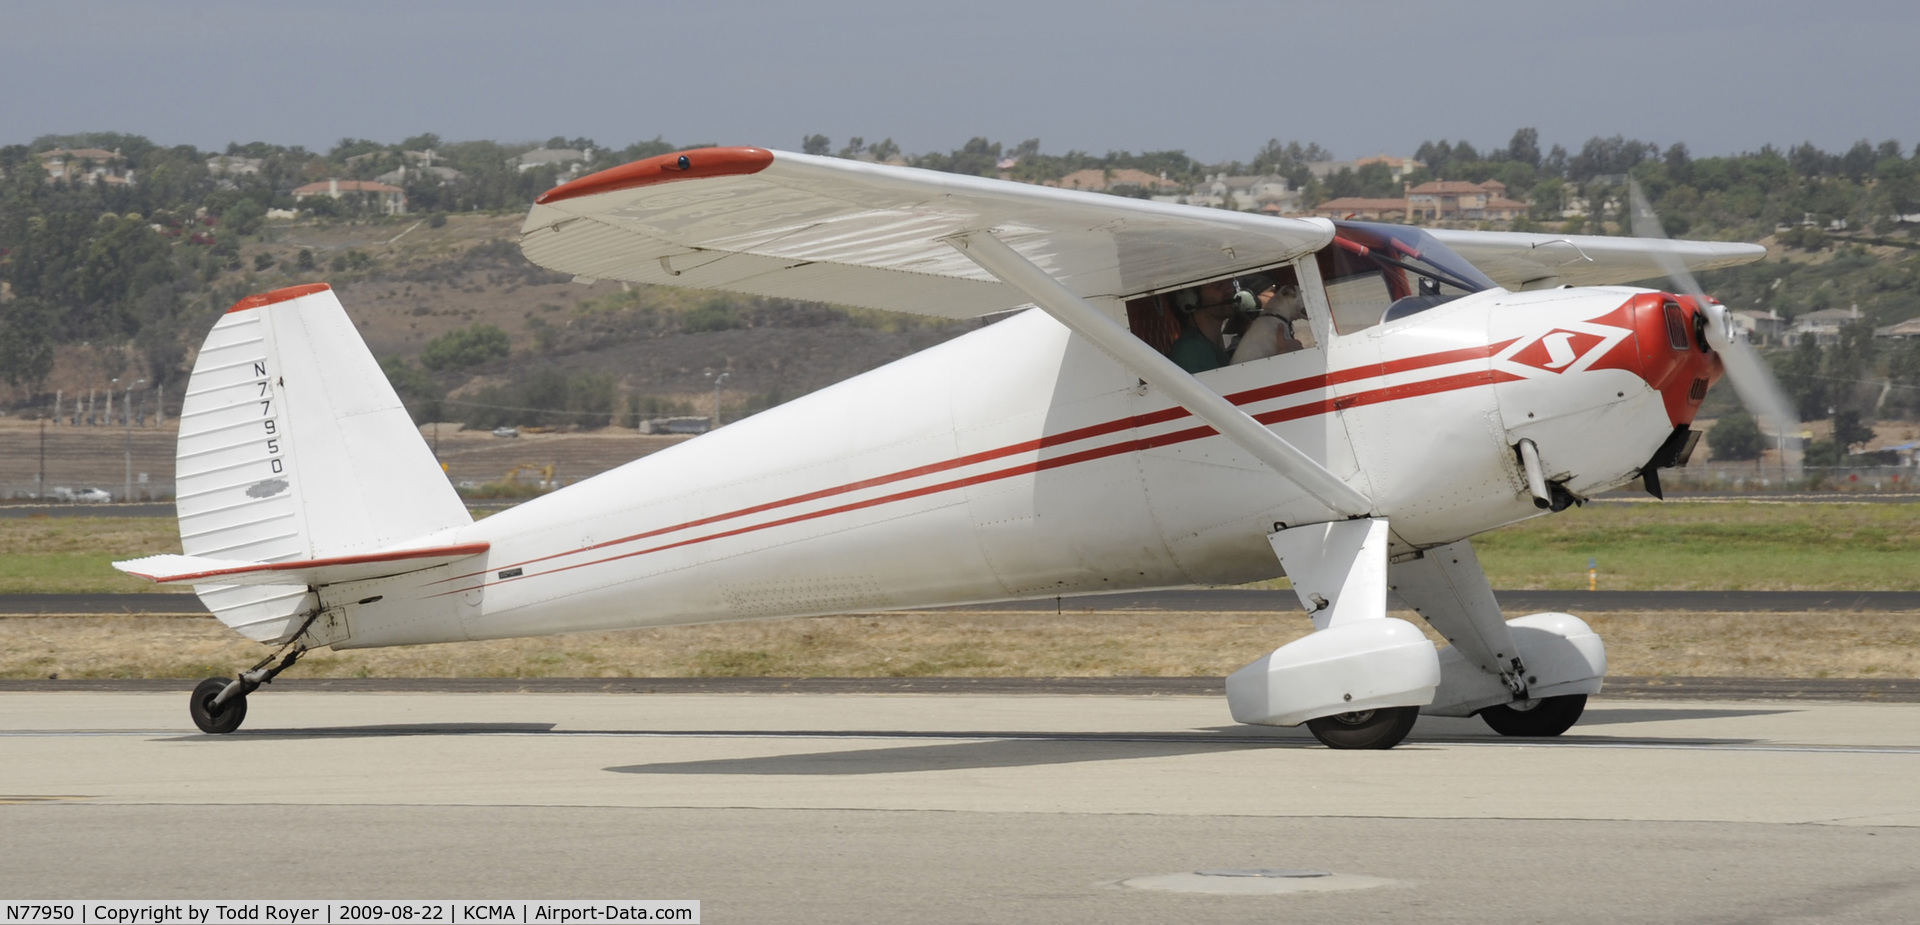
pixel 1758 390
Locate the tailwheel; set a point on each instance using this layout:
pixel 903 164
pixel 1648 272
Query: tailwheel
pixel 219 705
pixel 216 719
pixel 1548 716
pixel 1383 727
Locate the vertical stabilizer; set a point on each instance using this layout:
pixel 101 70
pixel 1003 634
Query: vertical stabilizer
pixel 294 446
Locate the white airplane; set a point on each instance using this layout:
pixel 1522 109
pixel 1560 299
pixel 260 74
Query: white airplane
pixel 1437 384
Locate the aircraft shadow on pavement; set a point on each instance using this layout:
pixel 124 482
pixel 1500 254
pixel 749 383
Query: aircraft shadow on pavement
pixel 388 730
pixel 1608 716
pixel 1035 749
pixel 953 756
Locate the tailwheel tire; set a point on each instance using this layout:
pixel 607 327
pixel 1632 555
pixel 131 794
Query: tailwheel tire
pixel 1548 716
pixel 216 720
pixel 1384 727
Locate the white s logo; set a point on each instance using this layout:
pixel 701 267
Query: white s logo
pixel 1558 349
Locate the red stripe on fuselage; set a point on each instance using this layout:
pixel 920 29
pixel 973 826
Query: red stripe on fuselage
pixel 1310 409
pixel 1165 415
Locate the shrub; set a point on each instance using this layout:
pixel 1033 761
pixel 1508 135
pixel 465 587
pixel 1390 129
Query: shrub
pixel 1735 437
pixel 465 347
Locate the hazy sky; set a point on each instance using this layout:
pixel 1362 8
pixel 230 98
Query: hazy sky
pixel 1214 78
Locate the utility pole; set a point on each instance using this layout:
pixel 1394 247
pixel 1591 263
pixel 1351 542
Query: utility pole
pixel 126 492
pixel 716 397
pixel 40 481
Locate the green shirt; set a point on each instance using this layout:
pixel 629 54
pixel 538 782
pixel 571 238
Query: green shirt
pixel 1194 353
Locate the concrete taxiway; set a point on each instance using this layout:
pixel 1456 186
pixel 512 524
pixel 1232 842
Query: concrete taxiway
pixel 964 807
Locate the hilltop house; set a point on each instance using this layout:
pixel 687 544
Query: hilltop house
pixel 391 199
pixel 1397 167
pixel 1097 181
pixel 85 165
pixel 1458 200
pixel 1825 324
pixel 229 165
pixel 400 174
pixel 1760 327
pixel 1262 193
pixel 569 162
pixel 1905 330
pixel 1361 207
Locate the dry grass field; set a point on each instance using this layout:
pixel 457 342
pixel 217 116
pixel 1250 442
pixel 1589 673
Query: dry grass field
pixel 1037 644
pixel 1639 546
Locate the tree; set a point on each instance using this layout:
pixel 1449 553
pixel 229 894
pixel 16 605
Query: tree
pixel 1525 147
pixel 1849 431
pixel 1903 374
pixel 244 217
pixel 464 347
pixel 1802 375
pixel 1735 437
pixel 418 392
pixel 816 144
pixel 26 342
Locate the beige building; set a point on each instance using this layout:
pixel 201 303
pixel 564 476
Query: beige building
pixel 1397 167
pixel 391 199
pixel 1458 200
pixel 1094 180
pixel 1361 207
pixel 84 165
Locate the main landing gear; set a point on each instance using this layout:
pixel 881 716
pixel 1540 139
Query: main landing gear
pixel 219 704
pixel 1383 727
pixel 1548 716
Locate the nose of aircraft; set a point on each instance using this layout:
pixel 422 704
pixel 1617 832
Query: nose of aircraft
pixel 1672 352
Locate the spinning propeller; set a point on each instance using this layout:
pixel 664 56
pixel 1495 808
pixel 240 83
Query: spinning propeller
pixel 1758 390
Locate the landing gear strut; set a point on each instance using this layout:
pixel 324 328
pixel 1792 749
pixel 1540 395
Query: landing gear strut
pixel 219 704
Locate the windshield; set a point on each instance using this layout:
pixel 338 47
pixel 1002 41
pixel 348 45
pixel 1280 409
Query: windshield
pixel 1377 273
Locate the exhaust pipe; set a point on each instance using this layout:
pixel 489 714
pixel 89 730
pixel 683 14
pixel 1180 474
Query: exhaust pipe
pixel 1536 479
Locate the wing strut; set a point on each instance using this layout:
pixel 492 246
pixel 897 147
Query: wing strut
pixel 994 256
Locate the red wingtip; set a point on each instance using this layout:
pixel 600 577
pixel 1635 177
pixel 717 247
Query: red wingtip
pixel 278 295
pixel 683 165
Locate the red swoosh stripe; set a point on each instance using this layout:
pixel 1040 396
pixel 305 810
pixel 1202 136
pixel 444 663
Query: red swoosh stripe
pixel 1374 396
pixel 1249 396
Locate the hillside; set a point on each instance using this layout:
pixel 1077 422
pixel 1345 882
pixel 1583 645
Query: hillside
pixel 117 254
pixel 407 284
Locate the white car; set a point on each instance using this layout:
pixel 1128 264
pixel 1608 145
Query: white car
pixel 92 495
pixel 506 432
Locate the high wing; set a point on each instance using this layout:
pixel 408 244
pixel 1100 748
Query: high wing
pixel 827 229
pixel 1519 260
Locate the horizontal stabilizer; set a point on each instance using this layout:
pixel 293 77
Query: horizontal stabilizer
pixel 313 572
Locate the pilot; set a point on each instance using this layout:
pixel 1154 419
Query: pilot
pixel 1202 344
pixel 1270 333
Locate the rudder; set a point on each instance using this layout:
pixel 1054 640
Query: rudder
pixel 292 446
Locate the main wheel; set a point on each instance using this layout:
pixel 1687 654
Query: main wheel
pixel 1379 728
pixel 216 720
pixel 1548 716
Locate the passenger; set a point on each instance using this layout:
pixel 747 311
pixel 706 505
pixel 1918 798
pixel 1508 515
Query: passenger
pixel 1202 344
pixel 1270 333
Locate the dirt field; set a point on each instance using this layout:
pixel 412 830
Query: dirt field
pixel 1770 645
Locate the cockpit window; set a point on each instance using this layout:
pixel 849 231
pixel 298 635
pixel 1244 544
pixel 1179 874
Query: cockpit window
pixel 1225 322
pixel 1376 273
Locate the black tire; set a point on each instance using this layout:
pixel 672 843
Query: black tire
pixel 219 721
pixel 1549 716
pixel 1380 728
